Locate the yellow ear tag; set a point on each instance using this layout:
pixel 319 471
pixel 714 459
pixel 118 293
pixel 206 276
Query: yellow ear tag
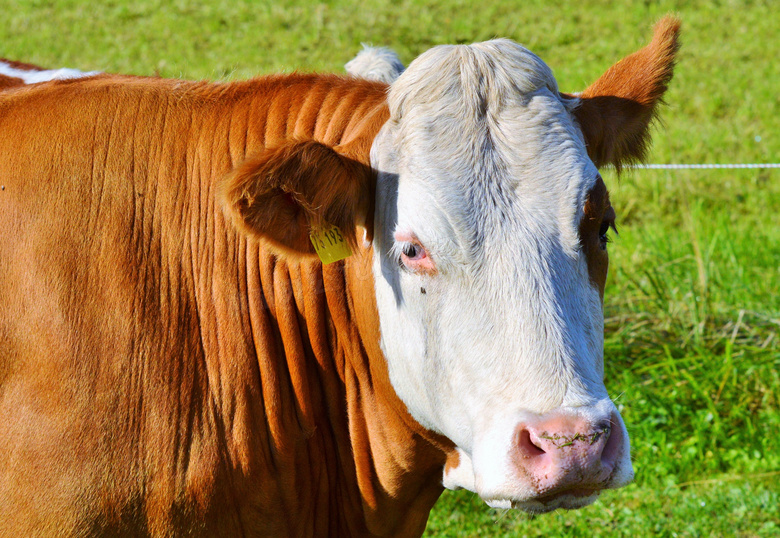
pixel 330 244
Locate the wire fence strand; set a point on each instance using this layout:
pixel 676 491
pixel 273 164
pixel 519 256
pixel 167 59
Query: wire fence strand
pixel 703 166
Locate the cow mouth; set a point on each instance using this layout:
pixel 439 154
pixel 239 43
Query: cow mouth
pixel 577 493
pixel 570 500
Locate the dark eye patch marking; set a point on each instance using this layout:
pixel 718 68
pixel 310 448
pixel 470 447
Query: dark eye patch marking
pixel 598 218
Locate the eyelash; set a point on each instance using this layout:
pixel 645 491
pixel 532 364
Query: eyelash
pixel 604 230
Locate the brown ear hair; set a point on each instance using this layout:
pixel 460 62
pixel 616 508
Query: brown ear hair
pixel 283 192
pixel 615 112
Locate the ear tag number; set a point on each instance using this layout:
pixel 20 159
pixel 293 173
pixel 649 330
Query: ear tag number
pixel 330 244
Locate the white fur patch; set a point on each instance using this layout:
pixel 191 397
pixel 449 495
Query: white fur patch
pixel 376 63
pixel 483 162
pixel 34 76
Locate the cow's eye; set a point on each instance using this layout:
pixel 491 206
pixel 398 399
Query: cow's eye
pixel 607 222
pixel 604 230
pixel 415 258
pixel 412 250
pixel 412 256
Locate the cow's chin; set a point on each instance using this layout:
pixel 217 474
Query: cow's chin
pixel 569 500
pixel 524 497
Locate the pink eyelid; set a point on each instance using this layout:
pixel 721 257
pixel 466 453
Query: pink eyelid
pixel 422 263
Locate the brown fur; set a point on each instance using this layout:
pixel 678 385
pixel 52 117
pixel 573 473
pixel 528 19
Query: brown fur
pixel 616 111
pixel 13 82
pixel 21 65
pixel 163 374
pixel 10 82
pixel 597 211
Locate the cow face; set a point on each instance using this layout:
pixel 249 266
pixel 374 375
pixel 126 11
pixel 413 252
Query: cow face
pixel 490 262
pixel 490 321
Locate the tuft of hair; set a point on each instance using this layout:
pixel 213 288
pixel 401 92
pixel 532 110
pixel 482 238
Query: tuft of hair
pixel 616 111
pixel 13 73
pixel 284 192
pixel 481 76
pixel 376 63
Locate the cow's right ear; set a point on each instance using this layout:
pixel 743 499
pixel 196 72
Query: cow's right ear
pixel 284 192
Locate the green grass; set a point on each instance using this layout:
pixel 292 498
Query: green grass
pixel 745 508
pixel 693 300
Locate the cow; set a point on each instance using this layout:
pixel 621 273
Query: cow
pixel 373 63
pixel 175 358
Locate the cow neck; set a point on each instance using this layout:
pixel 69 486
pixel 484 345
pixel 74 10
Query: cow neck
pixel 330 422
pixel 333 110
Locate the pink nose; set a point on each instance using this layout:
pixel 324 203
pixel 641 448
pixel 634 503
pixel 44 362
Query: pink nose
pixel 568 454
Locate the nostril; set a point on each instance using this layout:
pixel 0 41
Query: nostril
pixel 612 446
pixel 527 445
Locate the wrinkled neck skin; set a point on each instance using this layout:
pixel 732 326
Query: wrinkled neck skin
pixel 369 469
pixel 244 394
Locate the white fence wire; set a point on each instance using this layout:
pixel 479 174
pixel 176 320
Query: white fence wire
pixel 703 166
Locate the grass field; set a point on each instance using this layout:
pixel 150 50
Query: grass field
pixel 693 300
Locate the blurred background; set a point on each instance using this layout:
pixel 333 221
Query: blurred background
pixel 693 300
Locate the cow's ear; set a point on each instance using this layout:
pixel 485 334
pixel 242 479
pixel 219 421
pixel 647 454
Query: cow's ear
pixel 283 192
pixel 615 112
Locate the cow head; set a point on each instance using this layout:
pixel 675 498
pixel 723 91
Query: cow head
pixel 490 225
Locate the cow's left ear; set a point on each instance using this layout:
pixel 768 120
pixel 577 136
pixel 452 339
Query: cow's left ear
pixel 285 191
pixel 615 112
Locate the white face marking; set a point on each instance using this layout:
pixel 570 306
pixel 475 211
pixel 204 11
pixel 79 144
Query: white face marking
pixel 481 162
pixel 34 76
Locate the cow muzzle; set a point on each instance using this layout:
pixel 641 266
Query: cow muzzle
pixel 561 459
pixel 567 458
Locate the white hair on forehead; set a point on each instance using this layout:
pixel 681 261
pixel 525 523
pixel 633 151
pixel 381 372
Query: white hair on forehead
pixel 485 74
pixel 490 115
